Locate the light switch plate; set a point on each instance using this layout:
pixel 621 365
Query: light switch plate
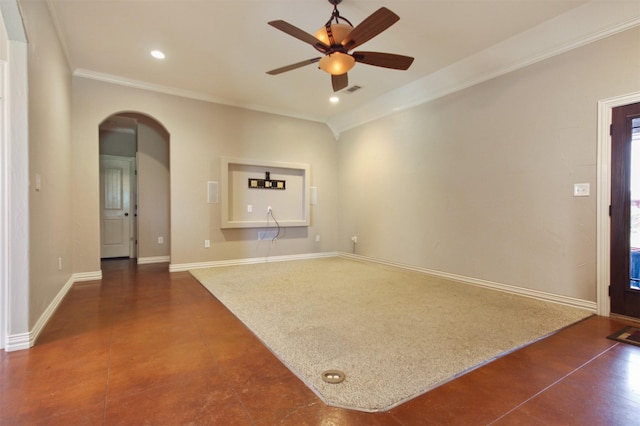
pixel 581 190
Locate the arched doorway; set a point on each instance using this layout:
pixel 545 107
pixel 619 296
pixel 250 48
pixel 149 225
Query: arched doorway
pixel 134 188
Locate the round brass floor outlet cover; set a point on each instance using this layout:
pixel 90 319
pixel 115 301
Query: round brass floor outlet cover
pixel 333 376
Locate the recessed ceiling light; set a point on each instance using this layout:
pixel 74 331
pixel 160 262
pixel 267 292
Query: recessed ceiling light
pixel 157 54
pixel 334 99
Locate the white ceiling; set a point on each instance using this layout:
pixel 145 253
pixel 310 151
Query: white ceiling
pixel 220 50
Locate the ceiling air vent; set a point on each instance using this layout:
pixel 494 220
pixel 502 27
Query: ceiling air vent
pixel 353 89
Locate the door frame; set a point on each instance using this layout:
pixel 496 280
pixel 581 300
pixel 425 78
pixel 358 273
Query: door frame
pixel 603 237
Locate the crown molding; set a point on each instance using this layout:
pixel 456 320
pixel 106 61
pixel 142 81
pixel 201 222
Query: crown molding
pixel 578 27
pixel 189 94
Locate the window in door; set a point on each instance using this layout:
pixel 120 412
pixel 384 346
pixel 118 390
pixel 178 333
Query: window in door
pixel 634 239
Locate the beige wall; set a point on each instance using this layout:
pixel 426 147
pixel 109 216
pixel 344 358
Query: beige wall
pixel 153 190
pixel 480 183
pixel 3 41
pixel 120 144
pixel 50 208
pixel 200 134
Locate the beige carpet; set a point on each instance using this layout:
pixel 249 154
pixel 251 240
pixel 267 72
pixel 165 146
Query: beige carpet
pixel 394 333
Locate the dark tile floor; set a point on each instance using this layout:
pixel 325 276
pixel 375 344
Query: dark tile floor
pixel 145 347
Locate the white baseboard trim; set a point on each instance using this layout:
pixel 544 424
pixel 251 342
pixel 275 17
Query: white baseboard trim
pixel 46 315
pixel 233 262
pixel 154 259
pixel 535 294
pixel 17 342
pixel 86 276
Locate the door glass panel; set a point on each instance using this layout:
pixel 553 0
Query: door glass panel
pixel 634 240
pixel 112 189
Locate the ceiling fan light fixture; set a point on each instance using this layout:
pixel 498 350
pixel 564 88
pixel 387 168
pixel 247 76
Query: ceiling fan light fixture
pixel 336 63
pixel 335 40
pixel 338 31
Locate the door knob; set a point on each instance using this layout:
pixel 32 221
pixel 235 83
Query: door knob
pixel 126 214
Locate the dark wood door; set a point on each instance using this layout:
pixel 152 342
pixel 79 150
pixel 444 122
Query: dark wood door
pixel 625 213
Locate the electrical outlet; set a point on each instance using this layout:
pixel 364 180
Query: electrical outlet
pixel 207 243
pixel 354 239
pixel 249 208
pixel 269 209
pixel 318 238
pixel 160 240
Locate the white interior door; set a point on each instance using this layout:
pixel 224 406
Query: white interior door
pixel 115 206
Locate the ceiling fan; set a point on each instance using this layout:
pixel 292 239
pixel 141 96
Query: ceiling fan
pixel 335 39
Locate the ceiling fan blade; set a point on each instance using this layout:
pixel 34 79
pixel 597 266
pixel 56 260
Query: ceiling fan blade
pixel 293 66
pixel 386 60
pixel 296 32
pixel 339 82
pixel 373 25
